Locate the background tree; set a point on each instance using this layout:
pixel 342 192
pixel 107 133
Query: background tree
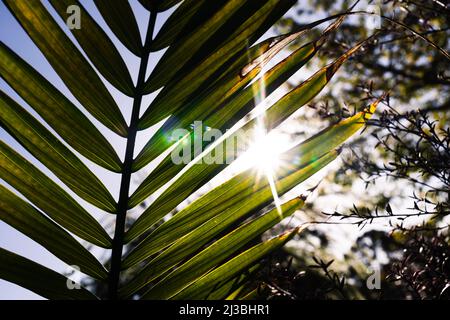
pixel 397 173
pixel 55 140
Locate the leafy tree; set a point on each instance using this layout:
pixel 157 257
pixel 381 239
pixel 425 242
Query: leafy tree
pixel 393 183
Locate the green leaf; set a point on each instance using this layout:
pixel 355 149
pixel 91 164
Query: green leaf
pixel 186 87
pixel 199 173
pixel 158 5
pixel 32 223
pixel 237 107
pixel 255 294
pixel 223 290
pixel 333 136
pixel 299 96
pixel 224 103
pixel 120 18
pixel 69 63
pixel 49 197
pixel 98 47
pixel 187 17
pixel 65 118
pixel 208 258
pixel 183 50
pixel 201 105
pixel 226 203
pixel 204 285
pixel 186 84
pixel 222 111
pixel 43 145
pixel 303 93
pixel 39 279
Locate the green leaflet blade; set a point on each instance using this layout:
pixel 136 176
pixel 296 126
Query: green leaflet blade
pixel 39 279
pixel 121 20
pixel 225 101
pixel 213 255
pixel 158 5
pixel 49 197
pixel 223 290
pixel 203 171
pixel 43 145
pixel 32 223
pixel 186 85
pixel 187 17
pixel 64 117
pixel 179 53
pixel 226 203
pixel 98 47
pixel 219 110
pixel 69 63
pixel 204 285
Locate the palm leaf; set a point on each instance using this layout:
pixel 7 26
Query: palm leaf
pixel 213 254
pixel 184 49
pixel 99 48
pixel 42 144
pixel 37 278
pixel 186 84
pixel 209 72
pixel 64 117
pixel 189 15
pixel 69 63
pixel 202 172
pixel 49 197
pixel 225 95
pixel 120 19
pixel 202 286
pixel 229 202
pixel 23 217
pixel 218 110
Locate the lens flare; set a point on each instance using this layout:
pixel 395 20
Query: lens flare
pixel 266 148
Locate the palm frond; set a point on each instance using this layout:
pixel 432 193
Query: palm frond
pixel 211 71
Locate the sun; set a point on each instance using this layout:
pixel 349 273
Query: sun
pixel 264 148
pixel 263 156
